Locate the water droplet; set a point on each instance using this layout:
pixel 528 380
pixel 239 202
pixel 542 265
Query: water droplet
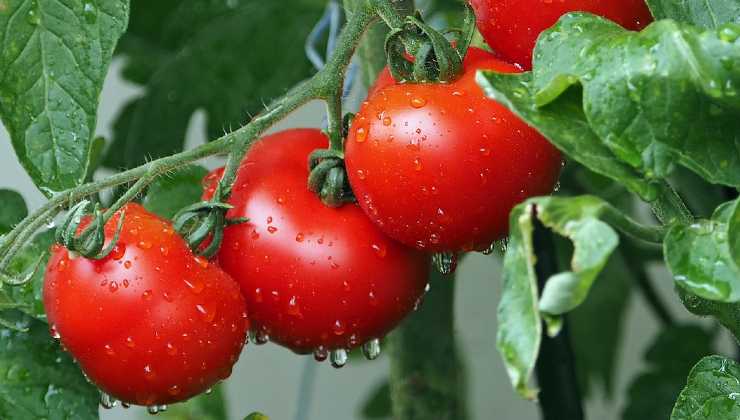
pixel 293 308
pixel 320 354
pixel 299 237
pixel 417 164
pixel 195 285
pixel 417 102
pixel 107 402
pixel 173 390
pixel 118 251
pixel 209 391
pixel 338 328
pixel 205 312
pixel 33 16
pixel 339 358
pixel 271 229
pixel 490 250
pixel 90 12
pixel 109 350
pixel 144 245
pixel 445 262
pixel 360 135
pixel 260 338
pixel 130 342
pixel 113 286
pixel 54 333
pixel 361 174
pixel 127 264
pixel 147 295
pixel 371 349
pixel 387 121
pixel 202 262
pixel 149 374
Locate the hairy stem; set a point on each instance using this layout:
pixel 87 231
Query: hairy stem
pixel 427 377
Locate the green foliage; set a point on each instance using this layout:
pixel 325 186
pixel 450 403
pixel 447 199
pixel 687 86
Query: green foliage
pixel 600 94
pixel 39 379
pixel 13 210
pixel 216 55
pixel 519 312
pixel 27 297
pixel 712 391
pixel 169 194
pixel 378 403
pixel 54 58
pixel 707 13
pixel 669 358
pixel 703 260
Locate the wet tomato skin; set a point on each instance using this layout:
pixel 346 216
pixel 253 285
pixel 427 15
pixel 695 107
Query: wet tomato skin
pixel 440 166
pixel 313 276
pixel 511 27
pixel 150 323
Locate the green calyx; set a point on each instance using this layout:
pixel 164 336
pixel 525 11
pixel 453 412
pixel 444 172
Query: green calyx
pixel 328 178
pixel 90 243
pixel 202 224
pixel 435 58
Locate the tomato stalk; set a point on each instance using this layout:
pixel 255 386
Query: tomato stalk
pixel 325 85
pixel 427 374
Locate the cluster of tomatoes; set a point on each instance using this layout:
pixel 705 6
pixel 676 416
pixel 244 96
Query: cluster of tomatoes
pixel 434 168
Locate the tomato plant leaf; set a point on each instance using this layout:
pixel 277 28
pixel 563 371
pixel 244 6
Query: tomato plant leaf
pixel 13 210
pixel 712 391
pixel 701 257
pixel 193 64
pixel 596 327
pixel 648 100
pixel 172 192
pixel 39 379
pixel 55 55
pixel 378 403
pixel 670 358
pixel 520 312
pixel 707 13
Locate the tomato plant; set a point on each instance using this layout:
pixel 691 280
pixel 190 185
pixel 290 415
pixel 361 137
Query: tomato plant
pixel 150 323
pixel 511 27
pixel 440 166
pixel 314 278
pixel 328 239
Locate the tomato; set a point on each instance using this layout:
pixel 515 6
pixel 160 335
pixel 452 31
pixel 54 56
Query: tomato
pixel 440 166
pixel 315 278
pixel 511 27
pixel 150 323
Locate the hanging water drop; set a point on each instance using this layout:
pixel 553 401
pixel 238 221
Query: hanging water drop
pixel 320 354
pixel 490 250
pixel 339 358
pixel 371 349
pixel 106 401
pixel 445 262
pixel 260 337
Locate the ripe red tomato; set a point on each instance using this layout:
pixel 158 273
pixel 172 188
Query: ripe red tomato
pixel 314 277
pixel 511 27
pixel 440 166
pixel 150 323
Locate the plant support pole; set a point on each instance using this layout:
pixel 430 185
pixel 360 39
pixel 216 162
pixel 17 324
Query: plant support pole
pixel 559 396
pixel 427 376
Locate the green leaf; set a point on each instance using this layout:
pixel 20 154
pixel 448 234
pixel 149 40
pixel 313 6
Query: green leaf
pixel 256 416
pixel 669 358
pixel 706 13
pixel 39 379
pixel 712 391
pixel 203 407
pixel 596 327
pixel 602 95
pixel 226 58
pixel 519 315
pixel 378 403
pixel 55 55
pixel 13 210
pixel 27 297
pixel 701 257
pixel 170 193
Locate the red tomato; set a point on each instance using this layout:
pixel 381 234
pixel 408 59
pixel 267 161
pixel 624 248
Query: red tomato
pixel 314 277
pixel 511 27
pixel 440 166
pixel 151 323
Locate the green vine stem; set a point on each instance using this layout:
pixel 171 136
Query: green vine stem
pixel 325 85
pixel 427 376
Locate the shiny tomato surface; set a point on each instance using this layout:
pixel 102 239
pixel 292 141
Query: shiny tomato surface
pixel 314 277
pixel 440 166
pixel 150 323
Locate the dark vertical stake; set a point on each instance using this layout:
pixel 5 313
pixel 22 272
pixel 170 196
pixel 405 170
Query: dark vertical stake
pixel 560 396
